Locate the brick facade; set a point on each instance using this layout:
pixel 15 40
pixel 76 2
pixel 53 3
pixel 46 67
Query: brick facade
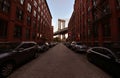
pixel 95 22
pixel 25 20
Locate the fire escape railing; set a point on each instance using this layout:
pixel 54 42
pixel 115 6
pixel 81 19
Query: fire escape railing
pixel 101 12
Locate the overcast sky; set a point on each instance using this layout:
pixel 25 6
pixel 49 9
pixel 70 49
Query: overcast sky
pixel 60 9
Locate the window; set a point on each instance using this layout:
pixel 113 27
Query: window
pixel 95 17
pixel 88 9
pixel 35 3
pixel 42 0
pixel 27 33
pixel 39 1
pixel 22 2
pixel 34 25
pixel 118 3
pixel 29 8
pixel 34 13
pixel 44 16
pixel 19 14
pixel 38 27
pixel 37 35
pixel 3 29
pixel 18 31
pixel 105 9
pixel 119 28
pixel 88 1
pixel 41 13
pixel 5 6
pixel 106 30
pixel 33 35
pixel 28 20
pixel 95 31
pixel 38 9
pixel 42 6
pixel 94 2
pixel 38 17
pixel 89 33
pixel 88 21
pixel 41 20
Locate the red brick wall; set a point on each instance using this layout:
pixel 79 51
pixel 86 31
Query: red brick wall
pixel 91 31
pixel 44 21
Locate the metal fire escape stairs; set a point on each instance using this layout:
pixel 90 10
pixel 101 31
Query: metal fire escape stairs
pixel 103 11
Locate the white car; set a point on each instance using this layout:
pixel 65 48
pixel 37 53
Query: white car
pixel 73 45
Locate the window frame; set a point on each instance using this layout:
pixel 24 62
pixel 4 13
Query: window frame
pixel 29 8
pixel 19 14
pixel 21 2
pixel 5 6
pixel 3 30
pixel 18 32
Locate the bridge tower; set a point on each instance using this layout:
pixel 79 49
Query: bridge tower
pixel 61 25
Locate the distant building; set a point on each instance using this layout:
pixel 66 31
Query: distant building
pixel 95 22
pixel 25 20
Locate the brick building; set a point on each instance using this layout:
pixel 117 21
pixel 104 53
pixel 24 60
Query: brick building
pixel 25 20
pixel 95 22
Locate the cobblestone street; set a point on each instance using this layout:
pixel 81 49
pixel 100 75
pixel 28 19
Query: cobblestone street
pixel 59 62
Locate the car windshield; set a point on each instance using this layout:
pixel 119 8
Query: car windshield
pixel 7 46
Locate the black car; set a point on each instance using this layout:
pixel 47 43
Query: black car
pixel 108 59
pixel 15 53
pixel 67 44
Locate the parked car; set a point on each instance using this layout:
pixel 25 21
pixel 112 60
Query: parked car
pixel 108 59
pixel 79 47
pixel 52 44
pixel 15 53
pixel 47 45
pixel 67 44
pixel 43 47
pixel 73 43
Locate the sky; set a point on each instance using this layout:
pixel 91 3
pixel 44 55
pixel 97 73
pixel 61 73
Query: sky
pixel 60 9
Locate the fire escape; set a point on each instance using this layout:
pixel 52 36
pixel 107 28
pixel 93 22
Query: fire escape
pixel 101 14
pixel 101 10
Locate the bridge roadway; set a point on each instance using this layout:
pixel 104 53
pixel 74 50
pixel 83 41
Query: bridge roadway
pixel 59 62
pixel 62 31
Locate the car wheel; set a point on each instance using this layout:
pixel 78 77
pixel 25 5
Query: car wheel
pixel 6 69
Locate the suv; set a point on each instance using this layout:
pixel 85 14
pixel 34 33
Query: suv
pixel 15 53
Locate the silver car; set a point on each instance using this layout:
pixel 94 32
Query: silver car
pixel 79 47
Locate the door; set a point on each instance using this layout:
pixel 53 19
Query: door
pixel 24 52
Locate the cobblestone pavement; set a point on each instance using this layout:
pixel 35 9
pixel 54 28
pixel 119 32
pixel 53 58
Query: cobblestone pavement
pixel 59 62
